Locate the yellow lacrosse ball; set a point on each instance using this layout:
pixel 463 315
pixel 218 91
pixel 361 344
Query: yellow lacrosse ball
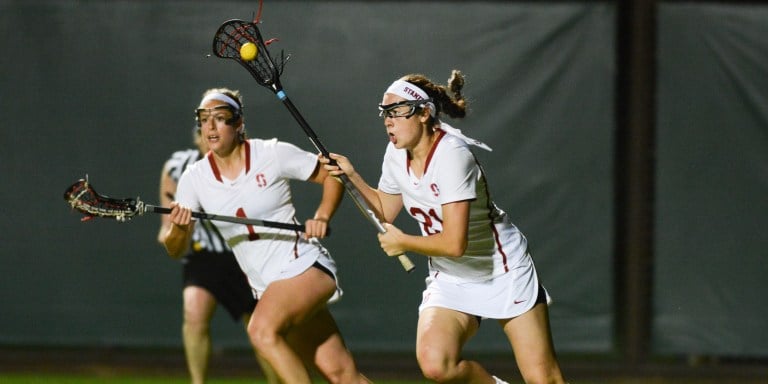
pixel 248 51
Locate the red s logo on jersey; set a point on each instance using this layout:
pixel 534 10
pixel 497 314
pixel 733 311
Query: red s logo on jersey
pixel 435 189
pixel 261 180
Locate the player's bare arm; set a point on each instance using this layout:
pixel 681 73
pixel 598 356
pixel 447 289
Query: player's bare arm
pixel 331 198
pixel 391 205
pixel 344 167
pixel 179 233
pixel 167 193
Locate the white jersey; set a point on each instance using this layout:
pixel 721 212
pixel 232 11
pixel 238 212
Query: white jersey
pixel 451 174
pixel 261 191
pixel 205 237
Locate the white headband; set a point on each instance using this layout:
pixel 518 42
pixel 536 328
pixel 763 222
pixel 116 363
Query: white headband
pixel 220 97
pixel 409 91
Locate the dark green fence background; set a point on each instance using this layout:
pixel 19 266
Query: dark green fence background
pixel 107 89
pixel 712 181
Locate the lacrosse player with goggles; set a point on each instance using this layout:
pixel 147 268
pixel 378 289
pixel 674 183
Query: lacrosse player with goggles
pixel 291 273
pixel 479 265
pixel 210 273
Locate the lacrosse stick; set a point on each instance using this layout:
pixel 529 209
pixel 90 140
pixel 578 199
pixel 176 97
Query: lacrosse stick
pixel 229 38
pixel 82 197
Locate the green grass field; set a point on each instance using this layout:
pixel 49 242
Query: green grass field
pixel 96 366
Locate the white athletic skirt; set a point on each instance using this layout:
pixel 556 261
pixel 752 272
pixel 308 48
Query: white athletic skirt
pixel 503 297
pixel 311 254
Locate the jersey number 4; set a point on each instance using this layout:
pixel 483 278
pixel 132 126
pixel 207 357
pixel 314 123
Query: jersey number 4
pixel 252 235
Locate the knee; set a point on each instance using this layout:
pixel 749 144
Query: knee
pixel 262 337
pixel 340 369
pixel 195 324
pixel 435 365
pixel 337 375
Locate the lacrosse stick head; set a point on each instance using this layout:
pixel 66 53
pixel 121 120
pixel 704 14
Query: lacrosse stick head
pixel 82 197
pixel 231 36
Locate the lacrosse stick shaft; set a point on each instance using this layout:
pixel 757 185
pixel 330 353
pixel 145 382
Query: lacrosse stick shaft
pixel 352 191
pixel 84 198
pixel 366 210
pixel 303 123
pixel 232 219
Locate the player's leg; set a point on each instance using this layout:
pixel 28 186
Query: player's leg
pixel 229 285
pixel 319 342
pixel 441 334
pixel 269 374
pixel 285 304
pixel 532 344
pixel 199 306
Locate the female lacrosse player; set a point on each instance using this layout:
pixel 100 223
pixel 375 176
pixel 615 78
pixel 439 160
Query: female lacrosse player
pixel 210 274
pixel 479 266
pixel 292 274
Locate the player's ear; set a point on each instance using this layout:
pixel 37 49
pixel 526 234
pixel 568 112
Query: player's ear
pixel 424 115
pixel 241 132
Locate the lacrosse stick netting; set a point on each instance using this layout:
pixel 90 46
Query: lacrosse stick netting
pixel 82 197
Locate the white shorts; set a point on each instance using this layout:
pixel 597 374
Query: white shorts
pixel 297 266
pixel 503 297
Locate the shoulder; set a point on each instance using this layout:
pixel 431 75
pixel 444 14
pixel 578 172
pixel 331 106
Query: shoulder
pixel 454 148
pixel 283 152
pixel 454 143
pixel 263 142
pixel 272 144
pixel 194 166
pixel 284 147
pixel 453 153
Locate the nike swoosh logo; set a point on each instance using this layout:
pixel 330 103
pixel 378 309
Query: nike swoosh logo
pixel 518 301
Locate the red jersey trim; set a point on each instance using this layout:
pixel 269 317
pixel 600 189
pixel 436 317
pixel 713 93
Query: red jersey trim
pixel 501 249
pixel 215 168
pixel 490 208
pixel 247 156
pixel 440 134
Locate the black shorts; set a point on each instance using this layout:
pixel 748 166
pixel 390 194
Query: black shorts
pixel 219 274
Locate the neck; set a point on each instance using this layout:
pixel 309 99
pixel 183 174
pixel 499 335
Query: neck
pixel 422 149
pixel 418 155
pixel 231 162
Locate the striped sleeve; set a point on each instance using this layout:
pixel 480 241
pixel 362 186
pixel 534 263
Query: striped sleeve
pixel 179 161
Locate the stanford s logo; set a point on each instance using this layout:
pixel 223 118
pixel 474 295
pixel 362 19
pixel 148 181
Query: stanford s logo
pixel 435 189
pixel 261 180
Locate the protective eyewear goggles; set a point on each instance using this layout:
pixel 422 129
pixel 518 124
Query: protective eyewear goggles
pixel 405 108
pixel 203 114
